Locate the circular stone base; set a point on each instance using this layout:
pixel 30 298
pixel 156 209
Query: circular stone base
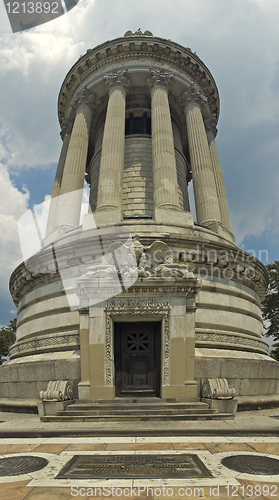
pixel 252 464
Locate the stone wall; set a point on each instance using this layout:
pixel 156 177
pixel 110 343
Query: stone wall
pixel 138 176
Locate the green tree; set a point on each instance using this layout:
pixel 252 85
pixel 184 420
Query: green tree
pixel 270 306
pixel 7 338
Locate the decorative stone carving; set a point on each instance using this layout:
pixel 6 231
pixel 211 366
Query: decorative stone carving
pixel 159 77
pixel 58 390
pixel 45 343
pixel 156 260
pixel 192 94
pixel 85 97
pixel 221 338
pixel 217 388
pixel 118 79
pixel 210 125
pixel 138 33
pixel 66 127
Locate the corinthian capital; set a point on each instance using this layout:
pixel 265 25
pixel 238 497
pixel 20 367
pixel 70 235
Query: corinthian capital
pixel 159 77
pixel 85 97
pixel 118 79
pixel 210 125
pixel 66 127
pixel 192 94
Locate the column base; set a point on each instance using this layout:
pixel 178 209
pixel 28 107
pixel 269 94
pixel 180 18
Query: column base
pixel 219 229
pixel 108 217
pixel 171 216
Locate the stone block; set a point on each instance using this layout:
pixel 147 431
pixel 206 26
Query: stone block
pixel 67 370
pixel 23 390
pixel 36 371
pixel 239 368
pixel 207 368
pixel 222 405
pixel 4 389
pixel 257 387
pixel 8 373
pixel 267 369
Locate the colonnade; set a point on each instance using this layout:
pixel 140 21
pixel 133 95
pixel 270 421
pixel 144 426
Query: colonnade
pixel 209 190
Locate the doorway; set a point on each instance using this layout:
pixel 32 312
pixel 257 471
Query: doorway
pixel 137 355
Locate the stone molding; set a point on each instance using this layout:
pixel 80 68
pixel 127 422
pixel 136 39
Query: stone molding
pixel 158 77
pixel 192 95
pixel 141 308
pixel 44 343
pixel 84 97
pixel 118 79
pixel 138 46
pixel 225 341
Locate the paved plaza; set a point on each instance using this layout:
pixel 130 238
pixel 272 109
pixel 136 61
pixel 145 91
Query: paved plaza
pixel 250 433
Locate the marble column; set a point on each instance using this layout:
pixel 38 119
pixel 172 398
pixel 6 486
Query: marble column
pixel 206 201
pixel 65 136
pixel 74 169
pixel 112 156
pixel 219 180
pixel 163 153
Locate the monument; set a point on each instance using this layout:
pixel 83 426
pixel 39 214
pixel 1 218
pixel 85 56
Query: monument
pixel 138 118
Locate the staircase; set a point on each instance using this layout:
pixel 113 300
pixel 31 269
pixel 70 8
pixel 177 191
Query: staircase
pixel 135 410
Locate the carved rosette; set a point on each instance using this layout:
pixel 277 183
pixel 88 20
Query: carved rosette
pixel 159 78
pixel 192 95
pixel 85 98
pixel 118 79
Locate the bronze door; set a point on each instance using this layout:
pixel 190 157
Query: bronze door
pixel 137 351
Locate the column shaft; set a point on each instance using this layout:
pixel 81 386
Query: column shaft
pixel 51 223
pixel 164 164
pixel 112 156
pixel 74 169
pixel 220 185
pixel 207 206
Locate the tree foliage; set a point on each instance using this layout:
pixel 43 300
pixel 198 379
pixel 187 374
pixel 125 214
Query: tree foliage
pixel 7 338
pixel 270 306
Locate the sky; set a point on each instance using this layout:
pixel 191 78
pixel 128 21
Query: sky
pixel 238 40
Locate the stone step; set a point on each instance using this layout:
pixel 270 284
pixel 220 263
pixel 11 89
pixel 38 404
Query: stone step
pixel 133 418
pixel 135 412
pixel 137 406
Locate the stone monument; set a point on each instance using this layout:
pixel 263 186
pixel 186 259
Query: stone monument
pixel 138 118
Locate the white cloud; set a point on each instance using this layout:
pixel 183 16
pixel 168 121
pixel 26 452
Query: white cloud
pixel 13 204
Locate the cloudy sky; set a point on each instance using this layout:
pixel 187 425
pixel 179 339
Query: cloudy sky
pixel 237 39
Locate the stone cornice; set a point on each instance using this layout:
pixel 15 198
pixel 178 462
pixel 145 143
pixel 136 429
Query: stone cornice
pixel 134 47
